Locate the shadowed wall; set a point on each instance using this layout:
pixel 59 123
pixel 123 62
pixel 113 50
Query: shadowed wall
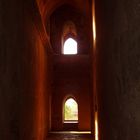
pixel 118 69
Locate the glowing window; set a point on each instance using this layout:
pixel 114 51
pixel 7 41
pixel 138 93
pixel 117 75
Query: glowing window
pixel 70 46
pixel 70 110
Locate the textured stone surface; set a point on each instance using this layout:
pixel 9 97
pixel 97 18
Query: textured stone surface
pixel 118 72
pixel 10 69
pixel 24 89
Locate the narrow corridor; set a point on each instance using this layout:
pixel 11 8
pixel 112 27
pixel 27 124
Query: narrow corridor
pixel 69 65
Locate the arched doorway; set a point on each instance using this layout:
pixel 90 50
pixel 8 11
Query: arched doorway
pixel 70 114
pixel 70 46
pixel 70 111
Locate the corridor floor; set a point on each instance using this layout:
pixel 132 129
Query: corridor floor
pixel 69 135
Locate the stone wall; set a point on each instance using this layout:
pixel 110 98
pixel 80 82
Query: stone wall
pixel 10 68
pixel 24 84
pixel 118 69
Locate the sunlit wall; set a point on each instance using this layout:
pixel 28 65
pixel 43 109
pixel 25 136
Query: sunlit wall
pixel 94 72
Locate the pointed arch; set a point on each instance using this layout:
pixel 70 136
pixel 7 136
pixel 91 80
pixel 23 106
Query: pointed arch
pixel 70 110
pixel 70 46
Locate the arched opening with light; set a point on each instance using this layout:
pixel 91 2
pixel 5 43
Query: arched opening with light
pixel 70 111
pixel 70 46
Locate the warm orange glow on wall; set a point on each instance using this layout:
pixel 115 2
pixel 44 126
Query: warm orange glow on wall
pixel 40 118
pixel 94 29
pixel 96 126
pixel 93 22
pixel 94 69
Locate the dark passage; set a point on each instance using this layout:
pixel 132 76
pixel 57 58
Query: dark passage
pixel 102 75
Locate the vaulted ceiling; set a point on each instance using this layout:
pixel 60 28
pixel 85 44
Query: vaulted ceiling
pixel 55 13
pixel 47 7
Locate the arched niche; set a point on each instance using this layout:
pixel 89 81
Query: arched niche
pixel 69 43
